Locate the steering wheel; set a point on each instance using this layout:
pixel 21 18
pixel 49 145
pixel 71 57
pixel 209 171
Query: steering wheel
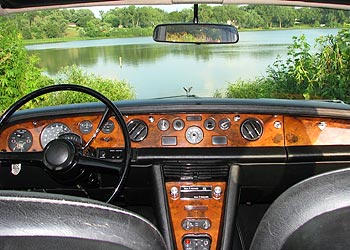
pixel 61 157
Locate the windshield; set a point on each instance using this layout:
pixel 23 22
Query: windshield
pixel 278 54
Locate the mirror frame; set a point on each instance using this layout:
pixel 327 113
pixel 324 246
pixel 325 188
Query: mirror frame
pixel 157 35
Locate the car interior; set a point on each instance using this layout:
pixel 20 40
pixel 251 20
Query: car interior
pixel 179 174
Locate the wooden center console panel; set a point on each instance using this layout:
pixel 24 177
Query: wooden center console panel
pixel 196 211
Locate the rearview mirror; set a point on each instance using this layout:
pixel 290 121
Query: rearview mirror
pixel 195 33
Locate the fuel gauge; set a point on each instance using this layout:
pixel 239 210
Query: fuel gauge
pixel 21 140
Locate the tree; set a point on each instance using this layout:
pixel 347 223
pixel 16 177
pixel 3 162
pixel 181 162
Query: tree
pixel 82 16
pixel 93 28
pixel 54 24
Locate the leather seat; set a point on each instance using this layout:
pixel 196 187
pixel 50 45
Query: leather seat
pixel 313 214
pixel 47 221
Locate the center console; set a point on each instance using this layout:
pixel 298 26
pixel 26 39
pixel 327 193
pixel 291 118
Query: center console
pixel 196 213
pixel 196 205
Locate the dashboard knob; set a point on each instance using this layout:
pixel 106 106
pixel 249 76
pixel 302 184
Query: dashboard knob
pixel 174 193
pixel 217 192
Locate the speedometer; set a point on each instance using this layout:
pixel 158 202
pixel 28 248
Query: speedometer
pixel 52 132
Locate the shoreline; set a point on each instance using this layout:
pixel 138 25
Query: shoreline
pixel 71 39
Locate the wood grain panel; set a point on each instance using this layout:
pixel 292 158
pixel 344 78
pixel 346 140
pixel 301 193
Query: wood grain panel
pixel 207 209
pixel 271 136
pixel 295 131
pixel 302 131
pixel 114 139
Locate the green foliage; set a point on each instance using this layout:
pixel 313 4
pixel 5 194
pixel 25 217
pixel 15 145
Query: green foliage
pixel 250 90
pixel 324 74
pixel 129 32
pixel 139 21
pixel 18 72
pixel 132 17
pixel 114 90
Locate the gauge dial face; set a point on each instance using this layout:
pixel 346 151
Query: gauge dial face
pixel 225 124
pixel 52 132
pixel 163 124
pixel 21 140
pixel 209 124
pixel 178 124
pixel 108 127
pixel 194 135
pixel 85 127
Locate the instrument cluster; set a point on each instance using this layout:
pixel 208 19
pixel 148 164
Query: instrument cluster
pixel 151 131
pixel 197 127
pixel 21 139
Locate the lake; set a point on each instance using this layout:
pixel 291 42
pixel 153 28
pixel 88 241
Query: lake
pixel 159 70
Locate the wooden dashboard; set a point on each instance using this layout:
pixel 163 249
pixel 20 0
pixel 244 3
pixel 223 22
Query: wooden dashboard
pixel 191 130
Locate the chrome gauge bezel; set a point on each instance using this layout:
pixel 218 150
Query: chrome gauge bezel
pixel 178 124
pixel 163 124
pixel 108 127
pixel 85 127
pixel 209 124
pixel 52 131
pixel 194 135
pixel 225 124
pixel 20 140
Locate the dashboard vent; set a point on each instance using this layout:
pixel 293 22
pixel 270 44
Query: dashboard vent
pixel 251 129
pixel 138 130
pixel 198 172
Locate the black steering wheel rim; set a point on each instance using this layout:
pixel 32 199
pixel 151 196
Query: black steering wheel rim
pixel 109 104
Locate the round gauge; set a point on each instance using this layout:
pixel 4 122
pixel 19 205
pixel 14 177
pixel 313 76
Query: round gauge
pixel 108 127
pixel 21 140
pixel 163 124
pixel 225 124
pixel 52 132
pixel 194 135
pixel 85 127
pixel 178 124
pixel 209 124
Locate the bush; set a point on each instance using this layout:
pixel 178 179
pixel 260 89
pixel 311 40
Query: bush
pixel 246 89
pixel 324 74
pixel 19 74
pixel 114 90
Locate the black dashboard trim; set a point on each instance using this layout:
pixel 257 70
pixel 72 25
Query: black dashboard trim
pixel 234 154
pixel 318 153
pixel 207 105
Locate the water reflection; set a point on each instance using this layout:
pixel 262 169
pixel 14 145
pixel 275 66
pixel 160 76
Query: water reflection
pixel 157 70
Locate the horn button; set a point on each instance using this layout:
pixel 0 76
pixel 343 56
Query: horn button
pixel 59 155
